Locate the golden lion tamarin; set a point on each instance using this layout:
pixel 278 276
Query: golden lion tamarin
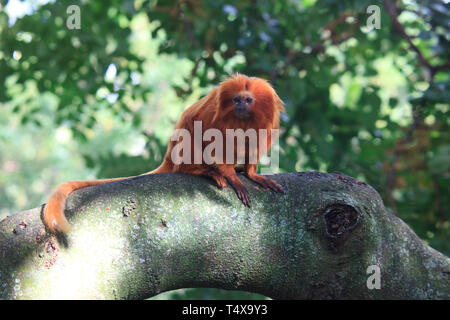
pixel 240 102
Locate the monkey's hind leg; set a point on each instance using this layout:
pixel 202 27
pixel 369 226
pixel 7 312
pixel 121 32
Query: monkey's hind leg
pixel 263 181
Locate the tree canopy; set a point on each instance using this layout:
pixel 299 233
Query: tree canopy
pixel 102 100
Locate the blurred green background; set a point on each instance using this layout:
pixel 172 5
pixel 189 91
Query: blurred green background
pixel 101 101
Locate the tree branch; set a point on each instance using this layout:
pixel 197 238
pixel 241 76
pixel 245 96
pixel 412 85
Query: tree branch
pixel 135 238
pixel 319 46
pixel 392 11
pixel 417 112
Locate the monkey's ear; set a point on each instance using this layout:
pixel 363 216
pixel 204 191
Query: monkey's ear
pixel 278 102
pixel 218 101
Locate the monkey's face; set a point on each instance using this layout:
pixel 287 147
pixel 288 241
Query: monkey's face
pixel 243 103
pixel 247 102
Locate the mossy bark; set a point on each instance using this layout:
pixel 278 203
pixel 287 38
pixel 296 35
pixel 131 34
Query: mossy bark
pixel 136 238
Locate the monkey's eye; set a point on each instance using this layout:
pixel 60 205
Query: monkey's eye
pixel 248 100
pixel 236 99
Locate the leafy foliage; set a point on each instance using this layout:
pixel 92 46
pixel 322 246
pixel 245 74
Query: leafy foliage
pixel 369 103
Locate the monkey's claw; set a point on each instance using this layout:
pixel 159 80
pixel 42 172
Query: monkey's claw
pixel 243 195
pixel 267 184
pixel 274 186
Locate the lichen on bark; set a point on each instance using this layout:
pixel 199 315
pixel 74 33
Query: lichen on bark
pixel 135 238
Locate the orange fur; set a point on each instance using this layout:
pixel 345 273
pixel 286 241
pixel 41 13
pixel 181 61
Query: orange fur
pixel 216 110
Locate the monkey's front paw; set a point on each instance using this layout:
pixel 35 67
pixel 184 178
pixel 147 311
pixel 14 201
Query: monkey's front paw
pixel 242 194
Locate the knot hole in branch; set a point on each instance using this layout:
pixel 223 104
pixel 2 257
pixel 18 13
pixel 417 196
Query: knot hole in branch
pixel 339 219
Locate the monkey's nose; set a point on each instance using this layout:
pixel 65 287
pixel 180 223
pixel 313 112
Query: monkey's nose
pixel 242 111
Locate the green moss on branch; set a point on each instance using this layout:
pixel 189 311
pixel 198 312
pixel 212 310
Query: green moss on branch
pixel 136 238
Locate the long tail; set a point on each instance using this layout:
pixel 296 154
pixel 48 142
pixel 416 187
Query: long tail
pixel 54 217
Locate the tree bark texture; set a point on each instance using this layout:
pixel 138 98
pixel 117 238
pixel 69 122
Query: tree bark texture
pixel 135 238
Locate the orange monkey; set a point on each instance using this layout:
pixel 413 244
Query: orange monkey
pixel 240 102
